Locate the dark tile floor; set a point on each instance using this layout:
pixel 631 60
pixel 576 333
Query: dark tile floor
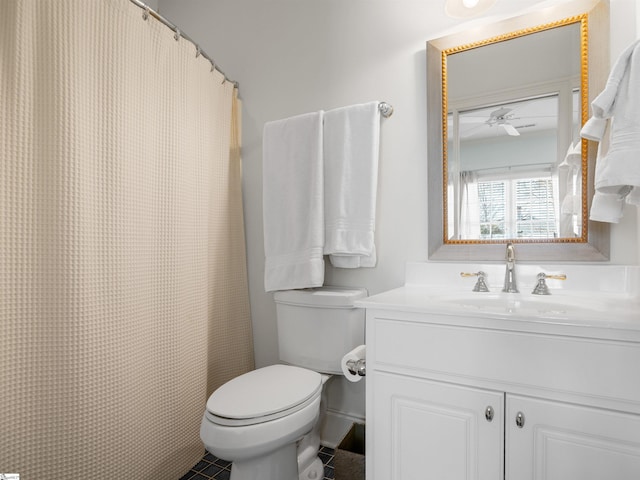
pixel 213 468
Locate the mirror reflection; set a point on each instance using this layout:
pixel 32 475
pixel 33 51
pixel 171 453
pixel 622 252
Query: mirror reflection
pixel 514 159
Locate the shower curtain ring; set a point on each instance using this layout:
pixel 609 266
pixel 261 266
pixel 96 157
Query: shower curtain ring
pixel 176 35
pixel 145 13
pixel 197 51
pixel 213 66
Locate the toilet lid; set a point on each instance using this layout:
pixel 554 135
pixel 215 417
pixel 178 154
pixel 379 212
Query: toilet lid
pixel 265 392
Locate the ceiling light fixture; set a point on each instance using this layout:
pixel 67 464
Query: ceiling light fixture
pixel 467 8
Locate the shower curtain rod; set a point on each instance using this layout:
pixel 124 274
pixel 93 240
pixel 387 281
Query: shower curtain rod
pixel 177 34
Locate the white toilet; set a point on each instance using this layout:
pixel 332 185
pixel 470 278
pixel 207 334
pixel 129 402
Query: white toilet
pixel 267 422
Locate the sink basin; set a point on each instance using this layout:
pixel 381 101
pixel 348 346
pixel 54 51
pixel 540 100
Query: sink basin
pixel 601 301
pixel 524 304
pixel 605 296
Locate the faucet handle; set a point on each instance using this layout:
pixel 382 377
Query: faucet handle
pixel 559 276
pixel 481 285
pixel 541 287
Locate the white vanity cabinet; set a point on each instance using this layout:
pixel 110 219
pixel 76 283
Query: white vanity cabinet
pixel 453 397
pixel 433 430
pixel 567 441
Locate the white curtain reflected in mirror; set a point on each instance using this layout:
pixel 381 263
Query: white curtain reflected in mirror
pixel 470 201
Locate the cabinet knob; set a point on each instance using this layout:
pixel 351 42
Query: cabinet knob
pixel 520 419
pixel 488 413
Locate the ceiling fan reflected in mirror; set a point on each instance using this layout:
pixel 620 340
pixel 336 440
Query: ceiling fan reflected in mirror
pixel 501 117
pixel 473 122
pixel 532 114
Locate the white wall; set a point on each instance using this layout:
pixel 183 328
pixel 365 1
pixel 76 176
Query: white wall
pixel 297 56
pixel 625 28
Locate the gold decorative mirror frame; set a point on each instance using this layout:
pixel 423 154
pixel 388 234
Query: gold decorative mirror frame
pixel 593 243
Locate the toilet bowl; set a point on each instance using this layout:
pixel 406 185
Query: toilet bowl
pixel 267 422
pixel 257 420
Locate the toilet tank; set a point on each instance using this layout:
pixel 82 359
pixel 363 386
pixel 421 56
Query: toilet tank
pixel 317 326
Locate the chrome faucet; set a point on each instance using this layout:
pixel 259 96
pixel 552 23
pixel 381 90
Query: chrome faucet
pixel 510 285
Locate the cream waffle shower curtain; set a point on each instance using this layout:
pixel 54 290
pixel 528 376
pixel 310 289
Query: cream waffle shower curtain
pixel 123 291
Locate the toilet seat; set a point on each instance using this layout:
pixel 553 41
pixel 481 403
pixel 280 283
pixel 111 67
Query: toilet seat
pixel 262 395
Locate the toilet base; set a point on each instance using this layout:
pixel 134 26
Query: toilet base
pixel 315 471
pixel 281 464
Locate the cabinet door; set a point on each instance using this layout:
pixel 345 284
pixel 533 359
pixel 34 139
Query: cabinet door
pixel 424 430
pixel 559 441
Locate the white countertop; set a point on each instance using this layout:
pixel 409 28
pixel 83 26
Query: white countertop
pixel 609 311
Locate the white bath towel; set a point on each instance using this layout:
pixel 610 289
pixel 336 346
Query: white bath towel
pixel 570 168
pixel 293 208
pixel 351 150
pixel 573 158
pixel 618 167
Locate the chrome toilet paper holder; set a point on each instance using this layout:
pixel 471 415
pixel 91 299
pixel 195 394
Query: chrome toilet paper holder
pixel 357 367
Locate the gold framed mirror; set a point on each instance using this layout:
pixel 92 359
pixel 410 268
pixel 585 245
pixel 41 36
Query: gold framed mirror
pixel 506 103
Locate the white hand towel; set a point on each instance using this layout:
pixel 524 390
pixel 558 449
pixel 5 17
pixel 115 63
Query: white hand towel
pixel 617 171
pixel 293 209
pixel 606 207
pixel 351 151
